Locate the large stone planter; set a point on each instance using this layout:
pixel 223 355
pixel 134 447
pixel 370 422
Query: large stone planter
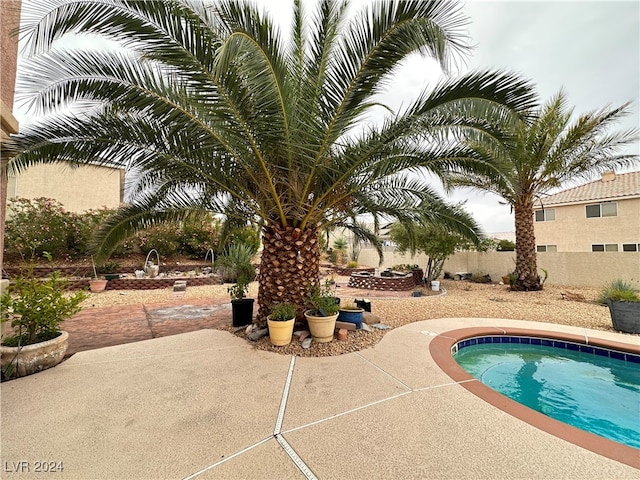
pixel 36 357
pixel 625 316
pixel 321 328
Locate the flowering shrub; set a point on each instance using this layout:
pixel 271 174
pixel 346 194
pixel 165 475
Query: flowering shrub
pixel 164 238
pixel 38 226
pixel 42 225
pixel 197 237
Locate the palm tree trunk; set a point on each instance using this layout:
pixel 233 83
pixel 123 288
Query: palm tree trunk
pixel 526 260
pixel 290 263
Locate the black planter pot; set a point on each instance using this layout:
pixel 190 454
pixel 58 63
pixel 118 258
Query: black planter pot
pixel 625 316
pixel 242 311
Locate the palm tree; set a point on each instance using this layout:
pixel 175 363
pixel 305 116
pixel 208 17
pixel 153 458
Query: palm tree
pixel 546 150
pixel 215 111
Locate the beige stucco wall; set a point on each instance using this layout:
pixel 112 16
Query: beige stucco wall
pixel 78 189
pixel 588 269
pixel 572 231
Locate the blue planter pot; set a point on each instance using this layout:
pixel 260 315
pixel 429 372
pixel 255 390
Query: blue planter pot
pixel 351 316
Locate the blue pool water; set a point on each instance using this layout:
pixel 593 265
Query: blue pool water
pixel 590 391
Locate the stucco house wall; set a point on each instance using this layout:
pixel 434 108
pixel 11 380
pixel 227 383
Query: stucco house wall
pixel 77 188
pixel 572 231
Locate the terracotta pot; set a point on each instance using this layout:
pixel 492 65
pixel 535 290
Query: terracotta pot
pixel 97 285
pixel 36 357
pixel 280 332
pixel 321 328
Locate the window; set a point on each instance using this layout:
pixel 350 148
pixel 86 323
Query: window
pixel 607 209
pixel 547 248
pixel 630 247
pixel 546 215
pixel 604 247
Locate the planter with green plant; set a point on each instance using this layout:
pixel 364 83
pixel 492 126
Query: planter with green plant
pixel 35 310
pixel 280 322
pixel 322 313
pixel 241 307
pixel 624 305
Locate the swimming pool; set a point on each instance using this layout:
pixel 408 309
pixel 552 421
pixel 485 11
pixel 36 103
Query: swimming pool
pixel 592 388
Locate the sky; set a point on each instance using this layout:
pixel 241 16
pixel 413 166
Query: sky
pixel 589 48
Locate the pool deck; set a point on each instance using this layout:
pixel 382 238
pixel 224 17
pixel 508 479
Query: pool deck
pixel 205 404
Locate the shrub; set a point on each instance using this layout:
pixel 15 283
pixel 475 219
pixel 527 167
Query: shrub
pixel 505 246
pixel 618 291
pixel 235 263
pixel 281 312
pixel 352 264
pixel 198 236
pixel 38 226
pixel 36 308
pixel 164 238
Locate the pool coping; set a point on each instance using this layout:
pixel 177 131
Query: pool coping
pixel 440 349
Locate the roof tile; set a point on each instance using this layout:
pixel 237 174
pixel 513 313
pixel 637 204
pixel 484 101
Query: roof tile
pixel 623 185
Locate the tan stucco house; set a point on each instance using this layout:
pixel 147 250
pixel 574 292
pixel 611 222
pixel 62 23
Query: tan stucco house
pixel 600 216
pixel 77 188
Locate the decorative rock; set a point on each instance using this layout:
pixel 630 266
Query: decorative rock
pixel 300 333
pixel 307 342
pixel 345 325
pixel 304 335
pixel 250 328
pixel 381 326
pixel 258 334
pixel 370 318
pixel 342 334
pixel 180 286
pixel 365 327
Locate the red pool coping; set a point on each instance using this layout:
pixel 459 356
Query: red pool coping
pixel 440 349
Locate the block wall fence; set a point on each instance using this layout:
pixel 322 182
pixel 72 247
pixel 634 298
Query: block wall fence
pixel 577 269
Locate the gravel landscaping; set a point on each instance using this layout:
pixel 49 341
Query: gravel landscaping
pixel 463 299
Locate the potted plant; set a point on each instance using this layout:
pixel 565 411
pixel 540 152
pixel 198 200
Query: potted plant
pixel 351 314
pixel 35 310
pixel 322 312
pixel 241 307
pixel 624 305
pixel 97 284
pixel 280 321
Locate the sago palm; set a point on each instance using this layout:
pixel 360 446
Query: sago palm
pixel 214 110
pixel 544 152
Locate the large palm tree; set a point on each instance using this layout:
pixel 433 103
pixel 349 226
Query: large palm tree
pixel 546 150
pixel 213 109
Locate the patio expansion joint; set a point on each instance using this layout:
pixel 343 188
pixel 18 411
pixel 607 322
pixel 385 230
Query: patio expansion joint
pixel 377 367
pixel 295 458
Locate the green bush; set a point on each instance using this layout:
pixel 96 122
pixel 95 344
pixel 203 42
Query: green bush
pixel 235 263
pixel 36 308
pixel 198 236
pixel 281 312
pixel 505 246
pixel 352 264
pixel 164 238
pixel 38 226
pixel 618 291
pixel 43 225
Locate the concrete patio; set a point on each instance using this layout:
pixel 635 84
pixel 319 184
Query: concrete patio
pixel 205 404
